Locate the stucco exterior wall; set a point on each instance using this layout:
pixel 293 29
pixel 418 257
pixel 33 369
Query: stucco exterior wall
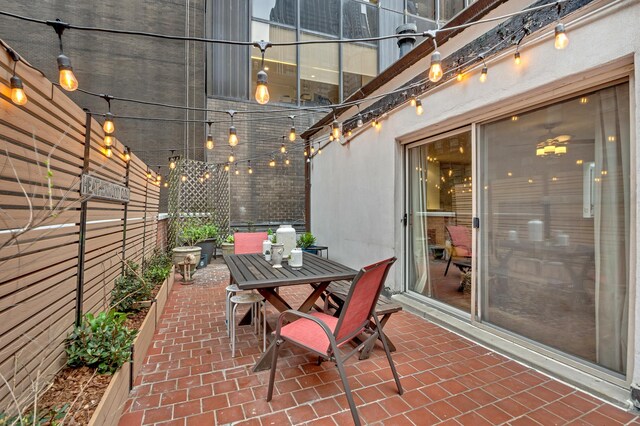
pixel 357 198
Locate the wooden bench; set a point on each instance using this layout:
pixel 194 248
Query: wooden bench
pixel 337 294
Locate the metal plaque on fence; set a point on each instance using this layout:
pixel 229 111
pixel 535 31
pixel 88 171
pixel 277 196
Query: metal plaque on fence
pixel 94 187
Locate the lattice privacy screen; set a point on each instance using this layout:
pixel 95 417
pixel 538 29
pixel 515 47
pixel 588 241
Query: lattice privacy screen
pixel 197 192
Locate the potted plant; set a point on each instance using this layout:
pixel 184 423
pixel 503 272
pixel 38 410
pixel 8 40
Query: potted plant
pixel 228 246
pixel 271 235
pixel 306 242
pixel 208 244
pixel 188 256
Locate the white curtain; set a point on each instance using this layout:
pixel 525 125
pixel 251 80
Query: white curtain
pixel 419 238
pixel 611 226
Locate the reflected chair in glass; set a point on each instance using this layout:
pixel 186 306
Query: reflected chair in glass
pixel 326 336
pixel 460 237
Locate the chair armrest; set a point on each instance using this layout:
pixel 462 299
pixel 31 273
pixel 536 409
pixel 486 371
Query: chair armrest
pixel 293 312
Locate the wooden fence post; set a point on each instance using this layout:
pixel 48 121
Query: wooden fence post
pixel 83 222
pixel 126 212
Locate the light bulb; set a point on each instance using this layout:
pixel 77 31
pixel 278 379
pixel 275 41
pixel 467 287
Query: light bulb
pixel 108 140
pixel 149 175
pixel 237 172
pixel 460 76
pixel 226 167
pixel 210 143
pixel 435 71
pixel 516 58
pixel 68 80
pixel 17 91
pixel 349 133
pixel 108 125
pixel 335 129
pixel 207 175
pixel 172 164
pixel 305 153
pixel 231 158
pixel 419 109
pixel 159 178
pixel 359 123
pixel 262 91
pixel 108 152
pixel 313 150
pixel 331 137
pixel 272 163
pixel 183 178
pixel 283 149
pixel 562 40
pixel 250 170
pixel 286 161
pixel 166 184
pixel 127 156
pixel 292 134
pixel 319 150
pixel 233 136
pixel 413 101
pixel 483 75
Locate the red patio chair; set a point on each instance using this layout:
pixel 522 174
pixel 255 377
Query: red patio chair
pixel 248 242
pixel 324 334
pixel 460 237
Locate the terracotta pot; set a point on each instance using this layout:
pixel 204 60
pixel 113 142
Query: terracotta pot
pixel 228 248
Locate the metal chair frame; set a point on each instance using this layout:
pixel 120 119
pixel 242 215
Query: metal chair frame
pixel 333 352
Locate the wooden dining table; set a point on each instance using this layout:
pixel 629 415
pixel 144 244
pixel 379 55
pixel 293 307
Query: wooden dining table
pixel 253 272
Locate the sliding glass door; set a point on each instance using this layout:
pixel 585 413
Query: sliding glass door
pixel 554 204
pixel 439 215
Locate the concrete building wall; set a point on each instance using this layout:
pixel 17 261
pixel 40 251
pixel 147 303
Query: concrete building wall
pixel 126 66
pixel 357 197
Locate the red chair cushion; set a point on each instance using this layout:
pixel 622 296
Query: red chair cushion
pixel 248 242
pixel 307 333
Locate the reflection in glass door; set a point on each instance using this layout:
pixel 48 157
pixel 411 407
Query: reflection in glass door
pixel 439 203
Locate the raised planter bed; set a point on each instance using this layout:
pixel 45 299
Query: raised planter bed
pixel 110 407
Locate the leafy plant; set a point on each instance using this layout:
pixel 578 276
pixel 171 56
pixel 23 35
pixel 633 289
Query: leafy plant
pixel 51 417
pixel 101 341
pixel 130 288
pixel 210 231
pixel 229 239
pixel 192 233
pixel 306 240
pixel 157 268
pixel 270 231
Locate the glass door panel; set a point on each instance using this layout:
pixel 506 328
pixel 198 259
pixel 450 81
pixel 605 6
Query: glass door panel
pixel 439 237
pixel 554 234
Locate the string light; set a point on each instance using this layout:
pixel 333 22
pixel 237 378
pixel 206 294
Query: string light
pixel 419 109
pixel 207 175
pixel 226 167
pixel 413 101
pixel 331 137
pixel 460 76
pixel 108 125
pixel 127 154
pixel 210 144
pixel 516 58
pixel 166 184
pixel 233 136
pixel 286 161
pixel 108 140
pixel 561 39
pixel 249 169
pixel 292 132
pixel 67 79
pixel 335 129
pixel 435 71
pixel 107 152
pixel 18 96
pixel 272 163
pixel 183 178
pixel 232 157
pixel 359 123
pixel 483 73
pixel 305 152
pixel 283 149
pixel 235 169
pixel 172 161
pixel 262 90
pixel 149 175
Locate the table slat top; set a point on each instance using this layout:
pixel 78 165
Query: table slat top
pixel 251 271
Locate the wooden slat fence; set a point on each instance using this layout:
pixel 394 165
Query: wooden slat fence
pixel 42 157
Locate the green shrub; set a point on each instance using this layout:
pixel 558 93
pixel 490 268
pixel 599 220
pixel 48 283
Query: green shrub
pixel 101 341
pixel 306 240
pixel 157 268
pixel 210 231
pixel 129 288
pixel 51 417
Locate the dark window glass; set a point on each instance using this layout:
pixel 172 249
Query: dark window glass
pixel 321 16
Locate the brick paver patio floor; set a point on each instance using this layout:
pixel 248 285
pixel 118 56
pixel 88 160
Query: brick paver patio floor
pixel 190 378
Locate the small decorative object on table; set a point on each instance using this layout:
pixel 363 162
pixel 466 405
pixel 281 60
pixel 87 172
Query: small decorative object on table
pixel 266 250
pixel 296 259
pixel 286 235
pixel 306 242
pixel 277 250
